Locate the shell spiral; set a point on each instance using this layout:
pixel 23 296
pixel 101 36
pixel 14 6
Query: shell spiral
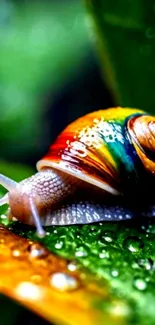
pixel 108 148
pixel 142 132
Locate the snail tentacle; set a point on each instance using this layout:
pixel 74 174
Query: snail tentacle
pixel 4 200
pixel 36 218
pixel 7 182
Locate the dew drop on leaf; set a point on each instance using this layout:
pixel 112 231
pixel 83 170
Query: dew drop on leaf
pixel 16 252
pixel 81 251
pixel 119 309
pixel 146 264
pixel 139 284
pixel 149 228
pixel 114 273
pixel 28 290
pixel 59 245
pixel 104 253
pixel 37 251
pixel 133 244
pixel 108 236
pixel 94 230
pixel 63 282
pixel 72 266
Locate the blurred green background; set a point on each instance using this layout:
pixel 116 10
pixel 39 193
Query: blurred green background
pixel 59 60
pixel 49 74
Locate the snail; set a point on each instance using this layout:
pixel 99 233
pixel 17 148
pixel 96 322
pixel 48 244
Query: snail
pixel 91 172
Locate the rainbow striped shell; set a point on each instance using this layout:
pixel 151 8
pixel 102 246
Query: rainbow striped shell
pixel 110 148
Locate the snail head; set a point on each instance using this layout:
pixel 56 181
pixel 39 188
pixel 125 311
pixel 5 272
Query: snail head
pixel 28 199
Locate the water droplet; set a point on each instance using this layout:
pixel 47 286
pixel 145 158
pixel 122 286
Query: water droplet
pixel 3 216
pixel 119 308
pixel 72 266
pixel 139 284
pixel 104 253
pixel 148 228
pixel 28 290
pixel 16 252
pixel 94 230
pixel 63 282
pixel 133 244
pixel 81 251
pixel 114 273
pixel 37 251
pixel 59 245
pixel 19 250
pixel 107 237
pixel 150 32
pixel 146 264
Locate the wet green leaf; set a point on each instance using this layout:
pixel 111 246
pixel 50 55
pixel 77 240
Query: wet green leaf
pixel 121 253
pixel 40 280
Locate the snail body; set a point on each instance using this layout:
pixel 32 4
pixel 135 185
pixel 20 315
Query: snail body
pixel 96 161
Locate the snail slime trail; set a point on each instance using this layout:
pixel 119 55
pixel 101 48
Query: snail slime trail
pixel 112 150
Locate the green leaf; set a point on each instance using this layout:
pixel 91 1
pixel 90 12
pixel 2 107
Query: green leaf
pixel 125 35
pixel 121 253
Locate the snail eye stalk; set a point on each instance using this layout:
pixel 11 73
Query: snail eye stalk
pixel 40 231
pixel 4 200
pixel 7 182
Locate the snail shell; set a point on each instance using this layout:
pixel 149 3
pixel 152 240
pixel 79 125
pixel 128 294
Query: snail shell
pixel 100 148
pixel 109 151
